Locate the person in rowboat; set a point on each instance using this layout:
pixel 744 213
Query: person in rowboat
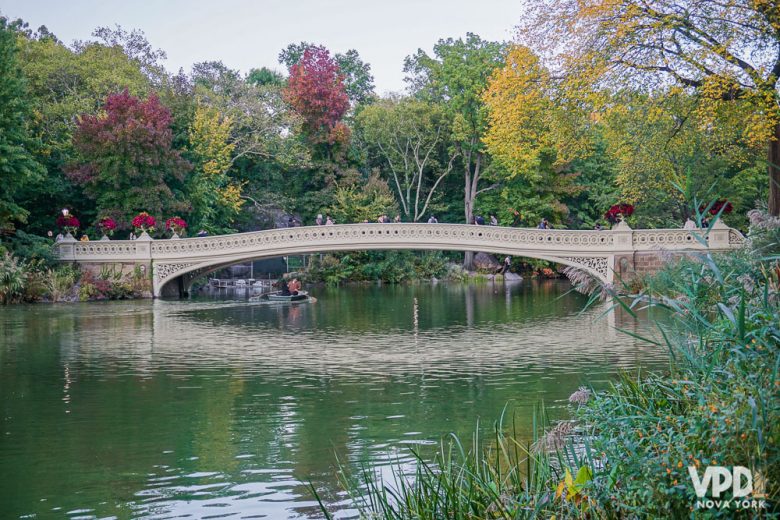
pixel 284 288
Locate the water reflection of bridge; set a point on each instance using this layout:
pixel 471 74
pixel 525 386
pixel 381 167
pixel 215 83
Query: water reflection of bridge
pixel 600 253
pixel 248 338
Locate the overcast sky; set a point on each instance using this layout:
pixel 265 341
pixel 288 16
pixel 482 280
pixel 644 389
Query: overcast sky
pixel 246 34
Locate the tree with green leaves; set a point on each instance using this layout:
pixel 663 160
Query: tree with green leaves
pixel 409 138
pixel 18 167
pixel 456 76
pixel 263 126
pixel 265 76
pixel 134 46
pixel 64 83
pixel 362 200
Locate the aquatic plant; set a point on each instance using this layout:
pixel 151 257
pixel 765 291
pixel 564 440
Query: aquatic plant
pixel 506 479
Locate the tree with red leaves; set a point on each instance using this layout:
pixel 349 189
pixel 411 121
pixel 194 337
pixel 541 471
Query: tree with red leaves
pixel 126 161
pixel 315 90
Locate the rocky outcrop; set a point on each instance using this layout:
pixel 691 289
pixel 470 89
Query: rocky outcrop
pixel 486 262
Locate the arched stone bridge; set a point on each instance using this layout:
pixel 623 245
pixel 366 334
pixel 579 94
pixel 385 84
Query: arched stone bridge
pixel 603 254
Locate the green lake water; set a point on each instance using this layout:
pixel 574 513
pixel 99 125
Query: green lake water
pixel 221 408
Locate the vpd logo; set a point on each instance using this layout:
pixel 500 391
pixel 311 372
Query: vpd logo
pixel 718 479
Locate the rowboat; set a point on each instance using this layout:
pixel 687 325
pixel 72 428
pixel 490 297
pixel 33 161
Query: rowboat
pixel 275 297
pixel 302 296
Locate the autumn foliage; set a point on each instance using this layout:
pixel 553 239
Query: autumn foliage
pixel 125 157
pixel 315 90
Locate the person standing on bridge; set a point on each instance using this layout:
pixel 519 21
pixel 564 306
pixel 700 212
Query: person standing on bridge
pixel 397 219
pixel 319 220
pixel 493 220
pixel 329 221
pixel 432 220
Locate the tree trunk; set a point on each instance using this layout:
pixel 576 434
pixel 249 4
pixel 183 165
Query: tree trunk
pixel 468 256
pixel 468 206
pixel 774 173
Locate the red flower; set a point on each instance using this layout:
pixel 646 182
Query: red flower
pixel 613 214
pixel 177 224
pixel 68 222
pixel 144 222
pixel 717 205
pixel 107 225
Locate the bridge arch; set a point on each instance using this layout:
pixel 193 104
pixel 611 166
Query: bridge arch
pixel 185 275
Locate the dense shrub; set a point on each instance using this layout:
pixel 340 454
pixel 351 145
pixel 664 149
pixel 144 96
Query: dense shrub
pixel 32 249
pixel 385 266
pixel 112 284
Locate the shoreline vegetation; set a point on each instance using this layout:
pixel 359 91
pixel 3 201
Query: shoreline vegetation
pixel 625 451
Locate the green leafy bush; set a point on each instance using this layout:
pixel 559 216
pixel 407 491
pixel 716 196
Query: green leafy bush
pixel 32 248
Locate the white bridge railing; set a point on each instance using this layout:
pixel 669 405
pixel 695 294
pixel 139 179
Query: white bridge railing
pixel 593 251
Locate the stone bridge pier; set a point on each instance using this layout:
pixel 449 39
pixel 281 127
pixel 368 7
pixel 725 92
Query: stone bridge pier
pixel 173 264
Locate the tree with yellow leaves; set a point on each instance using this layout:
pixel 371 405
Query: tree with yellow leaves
pixel 726 52
pixel 519 112
pixel 534 137
pixel 215 198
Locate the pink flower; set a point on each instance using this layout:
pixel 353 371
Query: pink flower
pixel 107 224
